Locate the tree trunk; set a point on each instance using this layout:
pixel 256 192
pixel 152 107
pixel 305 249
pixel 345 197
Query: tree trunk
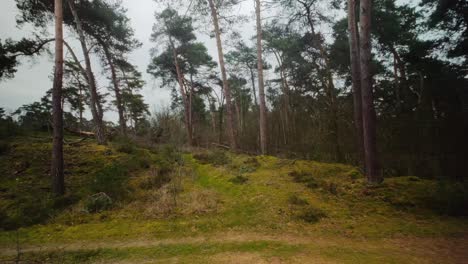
pixel 356 78
pixel 221 118
pixel 254 91
pixel 80 110
pixel 261 85
pixel 285 89
pixel 232 131
pixel 96 108
pixel 58 182
pixel 368 111
pixel 191 123
pixel 187 108
pixel 118 96
pixel 334 116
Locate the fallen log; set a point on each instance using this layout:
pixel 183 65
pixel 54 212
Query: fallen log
pixel 80 133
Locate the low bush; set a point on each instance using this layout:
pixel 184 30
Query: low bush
pixel 239 179
pixel 450 199
pixel 26 210
pixel 110 180
pixel 252 162
pixel 97 202
pixel 124 145
pixel 4 148
pixel 246 169
pixel 216 157
pixel 296 200
pixel 304 177
pixel 311 214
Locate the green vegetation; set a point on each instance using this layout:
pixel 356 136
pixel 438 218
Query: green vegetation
pixel 149 195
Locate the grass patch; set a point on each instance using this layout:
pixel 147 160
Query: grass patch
pixel 215 157
pixel 181 251
pixel 239 179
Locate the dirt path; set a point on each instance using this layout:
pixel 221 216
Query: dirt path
pixel 315 249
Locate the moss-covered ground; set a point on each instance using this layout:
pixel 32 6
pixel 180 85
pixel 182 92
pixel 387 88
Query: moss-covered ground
pixel 209 206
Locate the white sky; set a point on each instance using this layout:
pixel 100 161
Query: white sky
pixel 32 79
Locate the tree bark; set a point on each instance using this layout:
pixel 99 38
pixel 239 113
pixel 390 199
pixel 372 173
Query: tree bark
pixel 286 102
pixel 187 108
pixel 232 131
pixel 58 182
pixel 254 90
pixel 118 96
pixel 368 111
pixel 96 108
pixel 356 78
pixel 261 85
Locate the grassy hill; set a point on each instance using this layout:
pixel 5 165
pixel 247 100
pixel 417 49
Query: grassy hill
pixel 127 204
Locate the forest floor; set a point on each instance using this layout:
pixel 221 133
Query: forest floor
pixel 208 206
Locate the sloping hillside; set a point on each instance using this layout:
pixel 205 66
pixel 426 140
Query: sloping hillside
pixel 127 204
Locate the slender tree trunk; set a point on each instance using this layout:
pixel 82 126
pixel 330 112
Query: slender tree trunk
pixel 212 113
pixel 261 85
pixel 232 131
pixel 285 89
pixel 238 114
pixel 118 96
pixel 334 116
pixel 191 122
pixel 356 78
pixel 96 107
pixel 368 111
pixel 397 85
pixel 80 105
pixel 187 108
pixel 254 90
pixel 58 182
pixel 330 87
pixel 221 118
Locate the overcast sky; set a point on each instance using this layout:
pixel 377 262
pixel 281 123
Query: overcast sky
pixel 33 78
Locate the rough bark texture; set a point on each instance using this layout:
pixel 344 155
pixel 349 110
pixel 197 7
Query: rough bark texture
pixel 261 86
pixel 58 182
pixel 368 111
pixel 96 108
pixel 356 77
pixel 232 133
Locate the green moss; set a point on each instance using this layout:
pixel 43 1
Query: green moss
pixel 282 197
pixel 181 251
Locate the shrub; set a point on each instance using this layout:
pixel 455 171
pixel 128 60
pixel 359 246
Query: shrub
pixel 110 180
pixel 304 177
pixel 252 162
pixel 239 179
pixel 155 179
pixel 4 148
pixel 128 148
pixel 450 199
pixel 246 169
pixel 217 158
pixel 332 188
pixel 26 210
pixel 296 200
pixel 354 174
pixel 311 214
pixel 171 154
pixel 124 145
pixel 98 202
